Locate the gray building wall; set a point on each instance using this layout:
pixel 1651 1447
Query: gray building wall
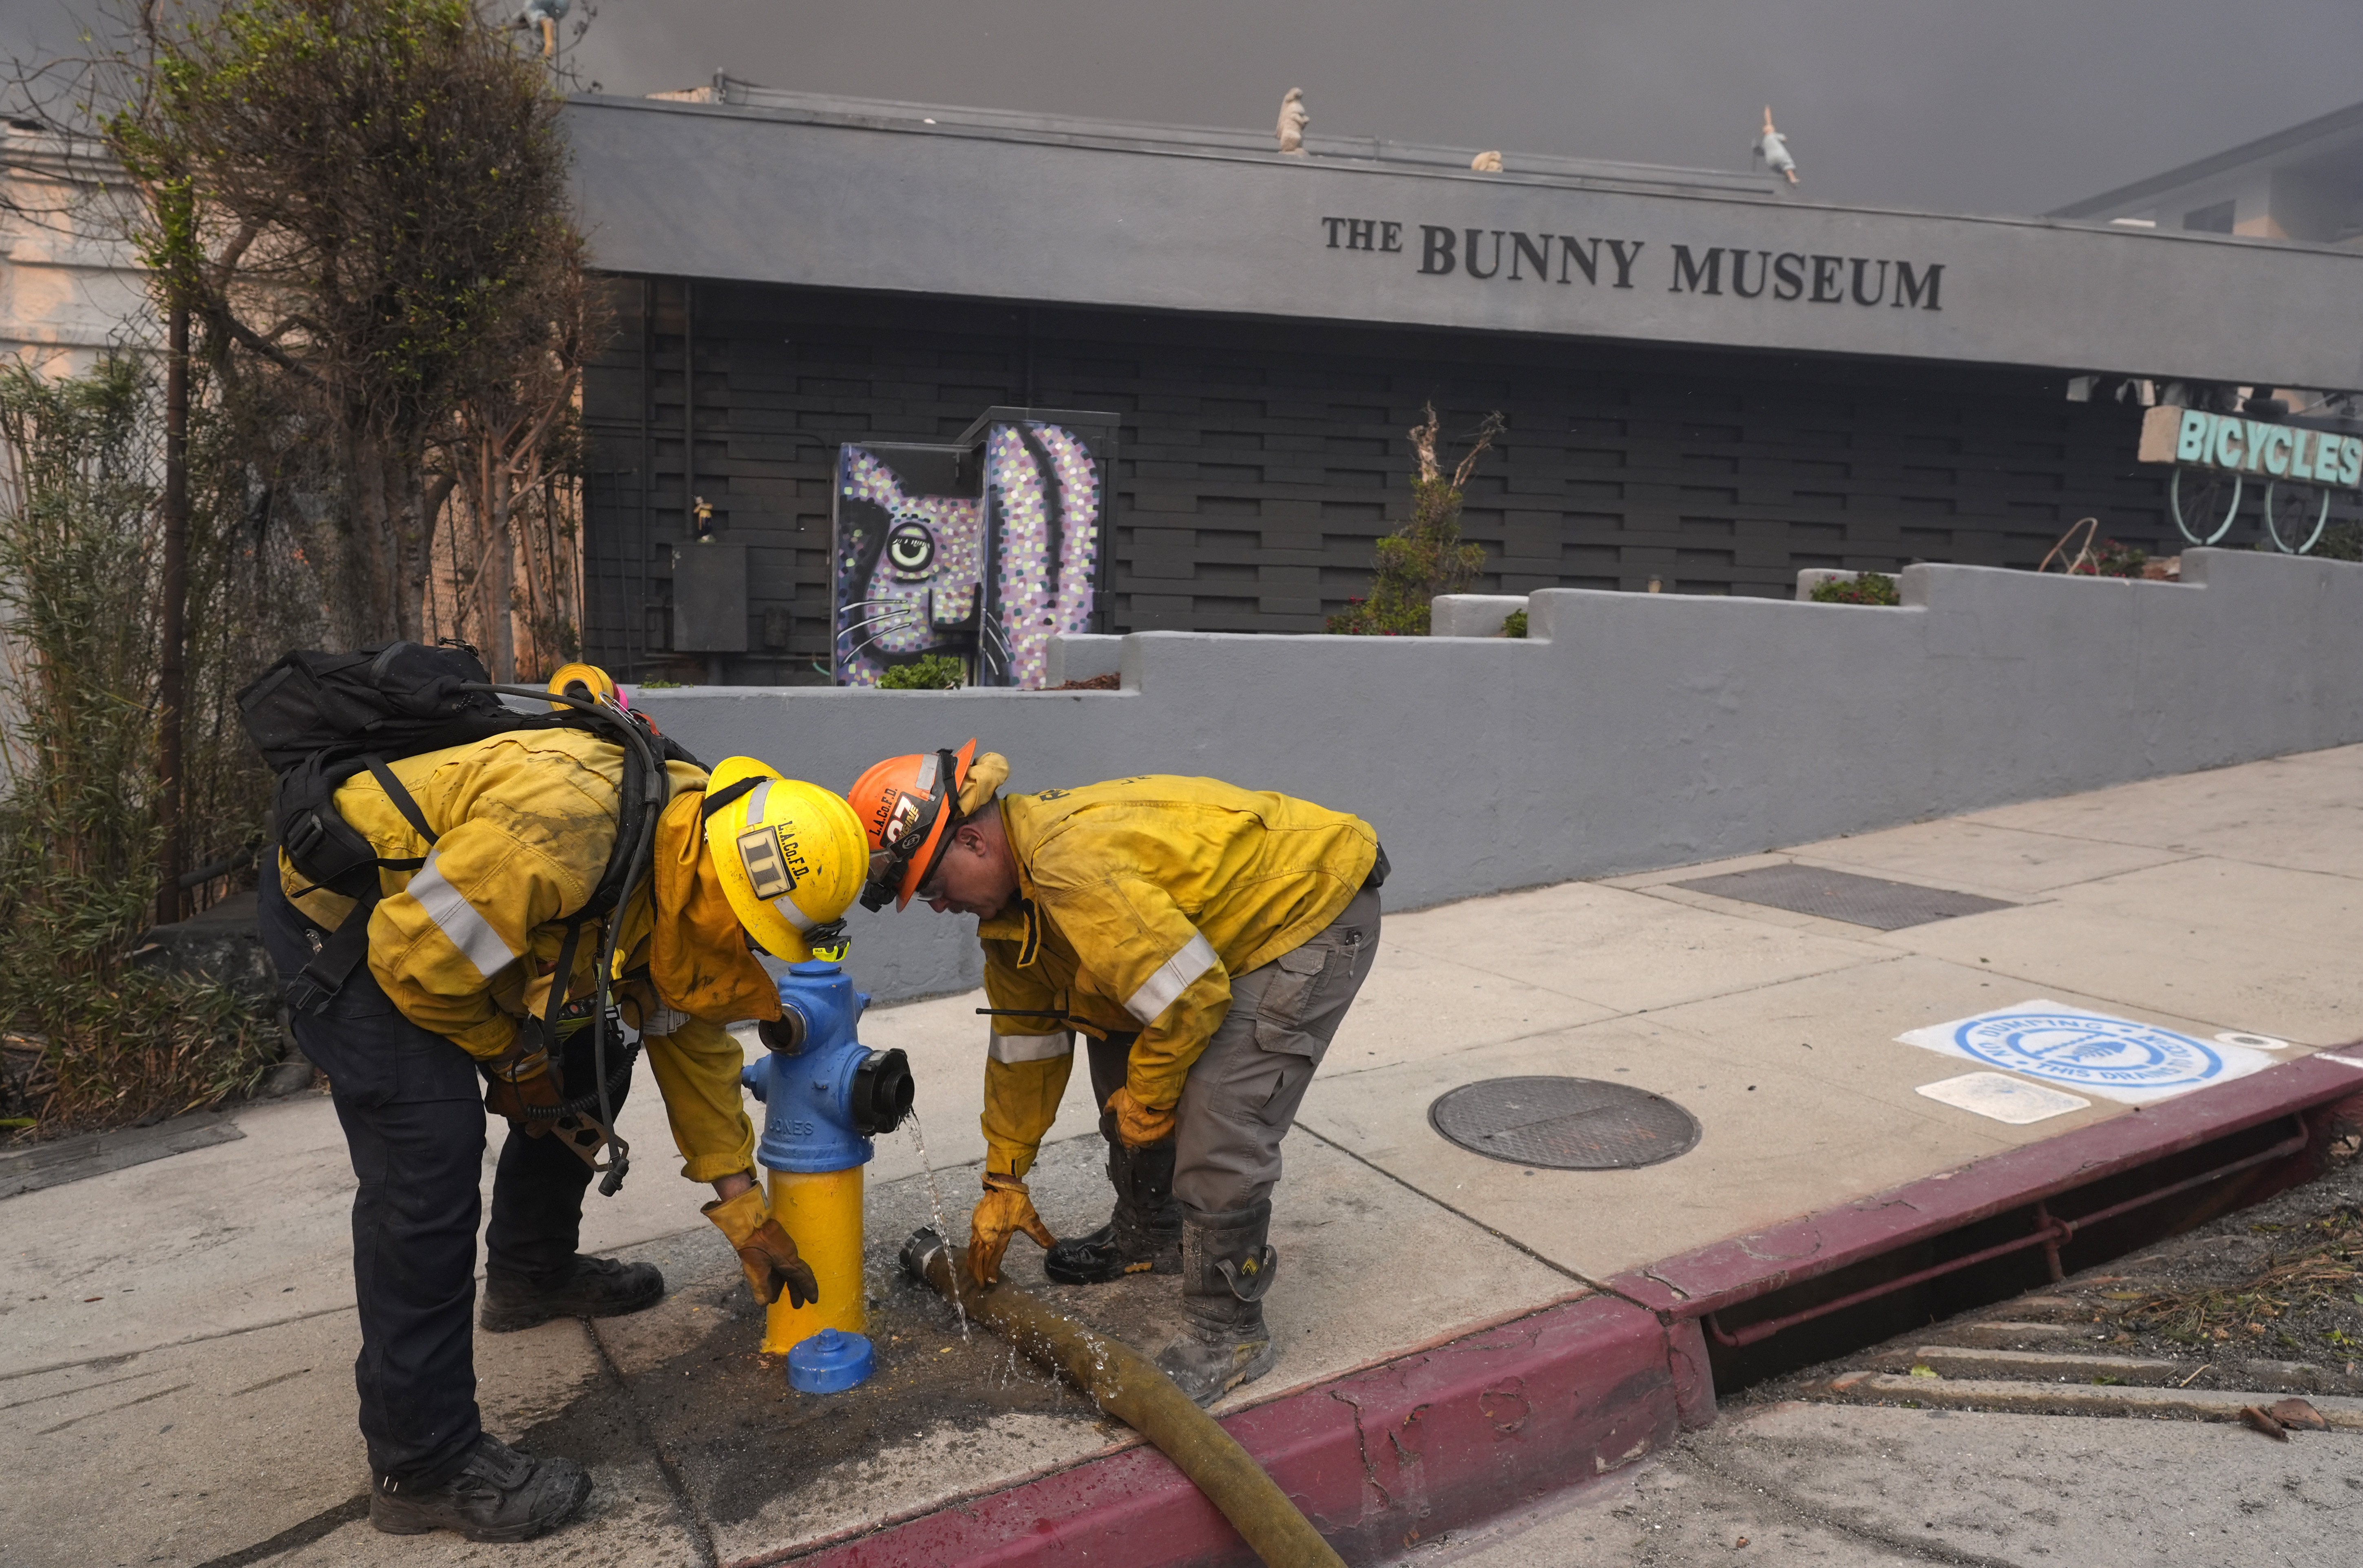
pixel 1258 461
pixel 1108 216
pixel 1630 731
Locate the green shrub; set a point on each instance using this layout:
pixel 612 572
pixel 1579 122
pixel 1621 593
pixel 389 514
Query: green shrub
pixel 92 1039
pixel 2340 542
pixel 1425 556
pixel 2112 559
pixel 1513 625
pixel 930 672
pixel 1863 588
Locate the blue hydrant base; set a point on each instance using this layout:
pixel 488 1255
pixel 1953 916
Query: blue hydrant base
pixel 831 1361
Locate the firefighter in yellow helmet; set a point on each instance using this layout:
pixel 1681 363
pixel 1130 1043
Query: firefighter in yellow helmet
pixel 486 853
pixel 1207 940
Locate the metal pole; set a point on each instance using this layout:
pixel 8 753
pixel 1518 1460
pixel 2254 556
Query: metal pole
pixel 172 676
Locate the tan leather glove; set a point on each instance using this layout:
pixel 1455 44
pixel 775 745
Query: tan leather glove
pixel 765 1251
pixel 1005 1209
pixel 521 1080
pixel 1139 1125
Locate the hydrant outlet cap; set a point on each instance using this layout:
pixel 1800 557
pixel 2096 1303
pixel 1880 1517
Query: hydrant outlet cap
pixel 830 1362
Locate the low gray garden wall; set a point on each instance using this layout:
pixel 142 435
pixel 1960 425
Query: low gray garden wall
pixel 1632 731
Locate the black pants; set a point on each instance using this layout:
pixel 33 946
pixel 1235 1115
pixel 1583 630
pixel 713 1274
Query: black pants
pixel 412 1106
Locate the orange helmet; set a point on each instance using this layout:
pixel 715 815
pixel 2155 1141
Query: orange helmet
pixel 908 806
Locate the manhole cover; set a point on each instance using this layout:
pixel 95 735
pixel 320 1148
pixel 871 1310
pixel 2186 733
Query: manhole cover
pixel 1567 1125
pixel 1873 901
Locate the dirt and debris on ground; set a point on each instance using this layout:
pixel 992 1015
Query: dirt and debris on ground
pixel 2269 1299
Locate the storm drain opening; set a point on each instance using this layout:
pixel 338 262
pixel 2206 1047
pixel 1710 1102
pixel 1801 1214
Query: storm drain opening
pixel 1873 901
pixel 2027 1245
pixel 1564 1124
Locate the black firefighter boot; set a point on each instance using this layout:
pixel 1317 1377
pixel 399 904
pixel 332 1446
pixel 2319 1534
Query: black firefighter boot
pixel 1226 1269
pixel 498 1495
pixel 1143 1235
pixel 591 1288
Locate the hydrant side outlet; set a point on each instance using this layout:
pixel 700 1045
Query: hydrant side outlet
pixel 824 1098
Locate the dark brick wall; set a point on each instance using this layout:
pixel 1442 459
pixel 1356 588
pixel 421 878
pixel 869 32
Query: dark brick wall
pixel 1259 460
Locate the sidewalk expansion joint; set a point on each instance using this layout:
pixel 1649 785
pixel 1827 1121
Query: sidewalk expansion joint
pixel 118 1358
pixel 693 1524
pixel 1506 1240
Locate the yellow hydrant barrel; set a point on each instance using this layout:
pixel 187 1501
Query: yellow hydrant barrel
pixel 822 1210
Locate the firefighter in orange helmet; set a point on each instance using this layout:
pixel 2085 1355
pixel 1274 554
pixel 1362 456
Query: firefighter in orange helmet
pixel 1206 940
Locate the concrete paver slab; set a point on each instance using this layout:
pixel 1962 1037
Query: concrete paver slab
pixel 1606 946
pixel 2254 948
pixel 1776 1143
pixel 1839 1030
pixel 2297 812
pixel 2009 863
pixel 1418 1004
pixel 194 1451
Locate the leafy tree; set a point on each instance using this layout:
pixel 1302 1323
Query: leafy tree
pixel 362 204
pixel 1426 557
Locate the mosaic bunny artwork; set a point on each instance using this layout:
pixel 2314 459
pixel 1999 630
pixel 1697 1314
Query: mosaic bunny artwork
pixel 1043 498
pixel 906 565
pixel 920 569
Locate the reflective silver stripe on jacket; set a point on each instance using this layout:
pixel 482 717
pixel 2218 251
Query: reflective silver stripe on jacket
pixel 662 1019
pixel 1171 978
pixel 457 919
pixel 1031 1047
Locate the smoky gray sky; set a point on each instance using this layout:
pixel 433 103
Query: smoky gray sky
pixel 1979 105
pixel 1983 105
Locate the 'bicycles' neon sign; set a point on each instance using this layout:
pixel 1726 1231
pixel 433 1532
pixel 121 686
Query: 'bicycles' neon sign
pixel 2229 444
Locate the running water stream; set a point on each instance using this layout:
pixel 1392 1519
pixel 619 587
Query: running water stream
pixel 935 1203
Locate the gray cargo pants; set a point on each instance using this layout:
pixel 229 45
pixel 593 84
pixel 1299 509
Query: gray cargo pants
pixel 1241 1096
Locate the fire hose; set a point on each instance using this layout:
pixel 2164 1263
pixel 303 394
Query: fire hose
pixel 1128 1385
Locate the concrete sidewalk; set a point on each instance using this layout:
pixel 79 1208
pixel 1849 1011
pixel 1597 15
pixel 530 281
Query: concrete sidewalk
pixel 178 1337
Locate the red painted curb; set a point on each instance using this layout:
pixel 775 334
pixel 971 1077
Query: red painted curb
pixel 1377 1459
pixel 1468 1430
pixel 1734 1271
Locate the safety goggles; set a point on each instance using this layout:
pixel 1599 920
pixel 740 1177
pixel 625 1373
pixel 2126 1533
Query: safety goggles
pixel 892 861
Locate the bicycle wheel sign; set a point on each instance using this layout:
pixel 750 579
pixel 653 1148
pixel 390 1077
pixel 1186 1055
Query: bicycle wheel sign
pixel 2215 457
pixel 2091 1053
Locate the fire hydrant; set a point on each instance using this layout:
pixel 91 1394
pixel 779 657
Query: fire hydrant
pixel 825 1096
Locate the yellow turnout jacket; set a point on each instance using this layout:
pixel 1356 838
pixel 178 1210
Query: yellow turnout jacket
pixel 1138 900
pixel 467 945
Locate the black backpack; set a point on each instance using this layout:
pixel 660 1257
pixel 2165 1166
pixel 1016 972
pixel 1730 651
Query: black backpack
pixel 320 718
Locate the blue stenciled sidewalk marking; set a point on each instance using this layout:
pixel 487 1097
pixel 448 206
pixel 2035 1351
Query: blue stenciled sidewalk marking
pixel 2120 1058
pixel 2090 1052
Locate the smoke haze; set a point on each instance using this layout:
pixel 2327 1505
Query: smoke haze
pixel 1998 105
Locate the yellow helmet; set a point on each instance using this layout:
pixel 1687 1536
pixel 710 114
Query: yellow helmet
pixel 791 855
pixel 595 683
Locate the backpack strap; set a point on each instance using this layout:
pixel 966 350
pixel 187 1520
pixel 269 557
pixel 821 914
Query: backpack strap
pixel 318 982
pixel 405 803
